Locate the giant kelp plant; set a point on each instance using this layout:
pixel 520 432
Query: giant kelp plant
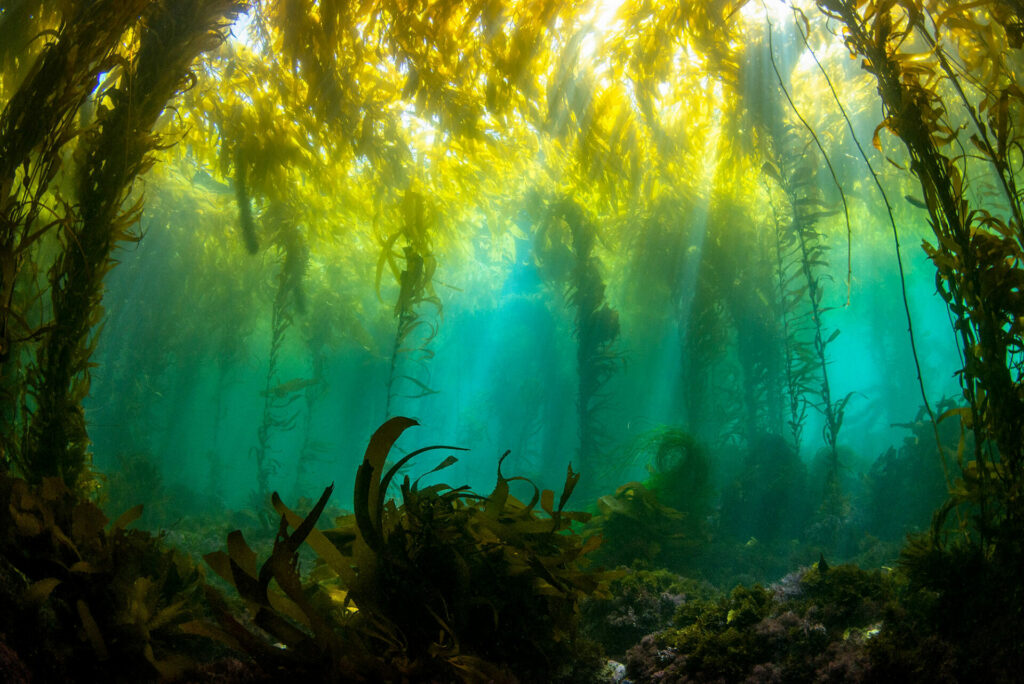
pixel 289 301
pixel 977 253
pixel 637 214
pixel 413 333
pixel 567 235
pixel 116 147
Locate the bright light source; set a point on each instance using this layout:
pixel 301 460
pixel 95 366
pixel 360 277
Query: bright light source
pixel 242 31
pixel 778 11
pixel 602 19
pixel 605 12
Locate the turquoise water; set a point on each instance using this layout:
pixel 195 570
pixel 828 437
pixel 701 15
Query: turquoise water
pixel 503 371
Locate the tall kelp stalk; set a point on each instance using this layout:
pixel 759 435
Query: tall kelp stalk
pixel 242 198
pixel 759 350
pixel 116 149
pixel 316 331
pixel 770 136
pixel 413 334
pixel 597 329
pixel 289 299
pixel 706 340
pixel 798 359
pixel 565 223
pixel 36 124
pixel 977 254
pixel 658 261
pixel 795 168
pixel 311 451
pixel 911 338
pixel 758 334
pixel 731 383
pixel 805 307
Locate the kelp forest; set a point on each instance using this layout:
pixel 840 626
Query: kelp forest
pixel 539 341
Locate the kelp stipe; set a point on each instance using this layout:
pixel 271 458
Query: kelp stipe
pixel 446 585
pixel 707 335
pixel 802 309
pixel 967 568
pixel 277 396
pixel 797 360
pixel 245 221
pixel 289 300
pixel 564 225
pixel 794 170
pixel 806 211
pixel 895 234
pixel 410 351
pixel 977 255
pixel 731 335
pixel 116 151
pixel 36 124
pixel 784 164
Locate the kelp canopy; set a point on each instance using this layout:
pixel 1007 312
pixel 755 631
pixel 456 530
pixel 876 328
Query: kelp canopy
pixel 548 224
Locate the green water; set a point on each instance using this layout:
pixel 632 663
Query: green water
pixel 568 326
pixel 183 391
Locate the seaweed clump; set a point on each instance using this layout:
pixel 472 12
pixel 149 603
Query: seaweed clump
pixel 662 521
pixel 815 625
pixel 447 585
pixel 84 601
pixel 944 615
pixel 959 619
pixel 642 602
pixel 914 461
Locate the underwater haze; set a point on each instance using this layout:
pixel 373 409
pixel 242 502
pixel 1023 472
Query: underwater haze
pixel 184 364
pixel 232 372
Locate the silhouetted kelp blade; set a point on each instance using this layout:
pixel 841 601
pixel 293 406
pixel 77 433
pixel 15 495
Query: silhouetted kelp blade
pixel 245 221
pixel 395 571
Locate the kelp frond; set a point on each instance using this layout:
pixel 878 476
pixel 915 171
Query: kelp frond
pixel 117 149
pixel 444 584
